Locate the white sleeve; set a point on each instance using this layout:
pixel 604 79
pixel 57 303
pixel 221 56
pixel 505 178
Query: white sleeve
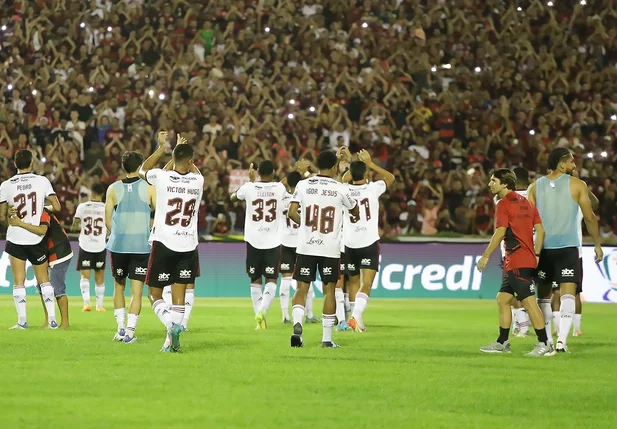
pixel 78 211
pixel 242 192
pixel 348 202
pixel 49 189
pixel 380 187
pixel 296 197
pixel 153 176
pixel 2 193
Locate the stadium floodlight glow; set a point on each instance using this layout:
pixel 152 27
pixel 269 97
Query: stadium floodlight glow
pixel 614 117
pixel 9 87
pixel 433 69
pixel 290 116
pixel 590 155
pixel 604 154
pixel 109 29
pixel 549 4
pixel 91 89
pixel 446 66
pixel 532 132
pixel 520 9
pixel 34 92
pixel 43 159
pixel 151 93
pixel 161 96
pixel 312 109
pixel 3 28
pixel 364 25
pixel 477 69
pixel 292 101
pixel 583 2
pixel 267 29
pixel 82 25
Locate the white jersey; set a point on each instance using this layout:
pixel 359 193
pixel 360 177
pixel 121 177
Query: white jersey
pixel 522 193
pixel 288 229
pixel 363 230
pixel 27 193
pixel 264 212
pixel 177 200
pixel 322 200
pixel 93 229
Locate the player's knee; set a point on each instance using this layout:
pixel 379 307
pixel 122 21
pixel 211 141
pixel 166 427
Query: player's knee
pixel 256 279
pixel 504 299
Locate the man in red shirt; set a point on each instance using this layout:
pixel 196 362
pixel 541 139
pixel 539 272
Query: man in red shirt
pixel 515 222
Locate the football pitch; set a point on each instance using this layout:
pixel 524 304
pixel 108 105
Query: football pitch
pixel 417 366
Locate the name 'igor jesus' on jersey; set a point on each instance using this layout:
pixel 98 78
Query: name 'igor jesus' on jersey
pixel 321 200
pixel 263 213
pixel 177 198
pixel 363 230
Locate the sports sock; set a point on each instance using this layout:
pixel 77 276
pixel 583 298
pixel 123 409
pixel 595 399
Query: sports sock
pixel 99 290
pixel 84 286
pixel 131 324
pixel 327 323
pixel 522 320
pixel 310 296
pixel 297 314
pixel 566 311
pixel 541 334
pixel 161 311
pixel 256 296
pixel 347 303
pixel 504 333
pixel 513 311
pixel 577 322
pixel 167 295
pixel 189 301
pixel 352 306
pixel 545 307
pixel 268 296
pixel 556 320
pixel 177 314
pixel 361 303
pixel 339 296
pixel 120 315
pixel 284 296
pixel 47 291
pixel 19 296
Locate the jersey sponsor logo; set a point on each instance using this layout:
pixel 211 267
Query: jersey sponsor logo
pixel 567 272
pixel 555 285
pixel 99 264
pixel 251 270
pixel 42 258
pixel 351 267
pixel 542 275
pixel 120 271
pixel 532 288
pixel 163 277
pixel 284 266
pixel 85 263
pixel 327 271
pixel 365 261
pixel 174 179
pixel 185 274
pixel 305 271
pixel 141 271
pixel 315 241
pixel 269 270
pixel 342 267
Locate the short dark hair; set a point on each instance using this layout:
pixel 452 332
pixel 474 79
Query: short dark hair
pixel 505 177
pixel 357 170
pixel 23 159
pixel 293 178
pixel 131 161
pixel 327 160
pixel 98 189
pixel 183 152
pixel 556 156
pixel 522 176
pixel 266 168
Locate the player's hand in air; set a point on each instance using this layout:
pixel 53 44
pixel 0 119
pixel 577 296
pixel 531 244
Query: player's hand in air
pixel 181 140
pixel 482 263
pixel 252 173
pixel 599 254
pixel 343 154
pixel 162 138
pixel 365 157
pixel 302 165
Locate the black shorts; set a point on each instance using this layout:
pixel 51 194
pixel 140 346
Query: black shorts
pixel 343 266
pixel 579 285
pixel 166 267
pixel 559 265
pixel 288 259
pixel 307 266
pixel 91 261
pixel 35 253
pixel 365 258
pixel 262 262
pixel 131 265
pixel 519 283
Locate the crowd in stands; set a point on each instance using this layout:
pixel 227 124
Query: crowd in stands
pixel 439 92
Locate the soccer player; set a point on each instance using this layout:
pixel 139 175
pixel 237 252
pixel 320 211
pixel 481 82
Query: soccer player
pixel 261 233
pixel 173 258
pixel 361 234
pixel 558 197
pixel 128 208
pixel 516 219
pixel 289 242
pixel 27 192
pixel 319 241
pixel 90 221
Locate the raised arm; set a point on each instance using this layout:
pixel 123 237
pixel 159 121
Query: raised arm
pixel 388 177
pixel 153 159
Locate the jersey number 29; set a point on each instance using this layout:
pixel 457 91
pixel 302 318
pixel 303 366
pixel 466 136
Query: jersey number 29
pixel 185 210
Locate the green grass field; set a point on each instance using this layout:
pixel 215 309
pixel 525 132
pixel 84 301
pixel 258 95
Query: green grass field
pixel 418 366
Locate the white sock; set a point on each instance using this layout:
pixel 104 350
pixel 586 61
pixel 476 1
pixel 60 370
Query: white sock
pixel 99 290
pixel 545 307
pixel 284 296
pixel 347 303
pixel 84 286
pixel 352 307
pixel 177 314
pixel 556 320
pixel 310 297
pixel 566 310
pixel 327 323
pixel 513 311
pixel 47 291
pixel 297 314
pixel 132 324
pixel 256 296
pixel 577 322
pixel 162 312
pixel 361 303
pixel 167 295
pixel 339 296
pixel 19 296
pixel 120 315
pixel 522 319
pixel 268 296
pixel 189 300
